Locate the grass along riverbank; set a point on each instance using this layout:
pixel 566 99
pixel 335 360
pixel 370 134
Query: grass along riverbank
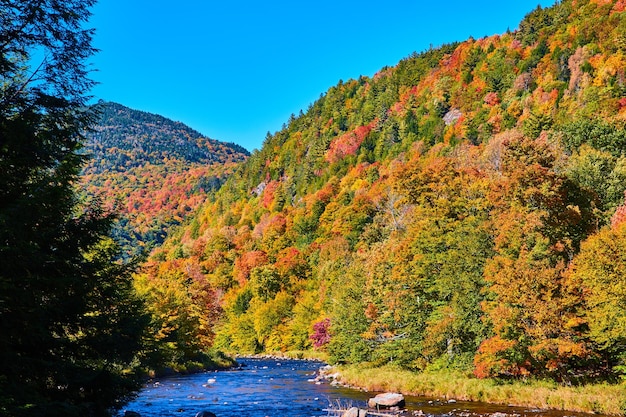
pixel 597 398
pixel 211 360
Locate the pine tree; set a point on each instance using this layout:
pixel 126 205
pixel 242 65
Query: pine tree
pixel 70 324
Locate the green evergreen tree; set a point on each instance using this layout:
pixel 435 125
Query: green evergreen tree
pixel 71 327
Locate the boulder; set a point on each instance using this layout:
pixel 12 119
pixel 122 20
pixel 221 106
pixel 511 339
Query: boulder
pixel 388 399
pixel 354 412
pixel 129 413
pixel 205 414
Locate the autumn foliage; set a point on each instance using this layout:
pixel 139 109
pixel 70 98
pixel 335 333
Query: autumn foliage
pixel 461 209
pixel 152 171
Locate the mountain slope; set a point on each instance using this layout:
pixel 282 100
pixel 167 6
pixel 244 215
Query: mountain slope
pixel 436 214
pixel 156 171
pixel 132 135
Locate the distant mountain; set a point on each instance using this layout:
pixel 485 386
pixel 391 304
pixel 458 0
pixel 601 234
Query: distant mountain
pixel 128 138
pixel 154 170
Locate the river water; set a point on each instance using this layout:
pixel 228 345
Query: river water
pixel 286 388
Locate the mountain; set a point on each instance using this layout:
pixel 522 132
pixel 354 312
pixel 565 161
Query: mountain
pixel 136 138
pixel 155 171
pixel 463 208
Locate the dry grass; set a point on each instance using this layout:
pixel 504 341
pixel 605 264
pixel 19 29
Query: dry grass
pixel 599 398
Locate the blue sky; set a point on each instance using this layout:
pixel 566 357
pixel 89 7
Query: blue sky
pixel 235 70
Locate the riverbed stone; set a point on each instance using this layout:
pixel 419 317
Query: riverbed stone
pixel 387 399
pixel 354 412
pixel 205 414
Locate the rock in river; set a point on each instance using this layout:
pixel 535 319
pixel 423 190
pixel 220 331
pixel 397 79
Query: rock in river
pixel 205 414
pixel 388 399
pixel 354 412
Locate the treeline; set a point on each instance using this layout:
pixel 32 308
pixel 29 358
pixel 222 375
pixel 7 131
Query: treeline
pixel 461 209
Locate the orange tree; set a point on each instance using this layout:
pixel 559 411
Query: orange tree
pixel 539 219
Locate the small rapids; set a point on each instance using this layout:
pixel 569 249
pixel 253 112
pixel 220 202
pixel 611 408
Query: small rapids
pixel 287 388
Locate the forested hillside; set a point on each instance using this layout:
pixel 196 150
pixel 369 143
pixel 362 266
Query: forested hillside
pixel 153 170
pixel 463 208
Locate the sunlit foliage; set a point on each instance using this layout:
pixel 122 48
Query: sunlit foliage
pixel 433 215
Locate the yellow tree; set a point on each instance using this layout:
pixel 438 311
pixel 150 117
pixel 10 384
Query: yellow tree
pixel 183 308
pixel 450 242
pixel 598 273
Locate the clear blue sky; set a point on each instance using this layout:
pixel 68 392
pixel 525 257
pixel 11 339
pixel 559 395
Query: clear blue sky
pixel 235 70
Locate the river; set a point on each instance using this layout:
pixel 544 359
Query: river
pixel 285 388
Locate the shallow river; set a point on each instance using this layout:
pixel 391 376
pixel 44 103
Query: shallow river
pixel 285 388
